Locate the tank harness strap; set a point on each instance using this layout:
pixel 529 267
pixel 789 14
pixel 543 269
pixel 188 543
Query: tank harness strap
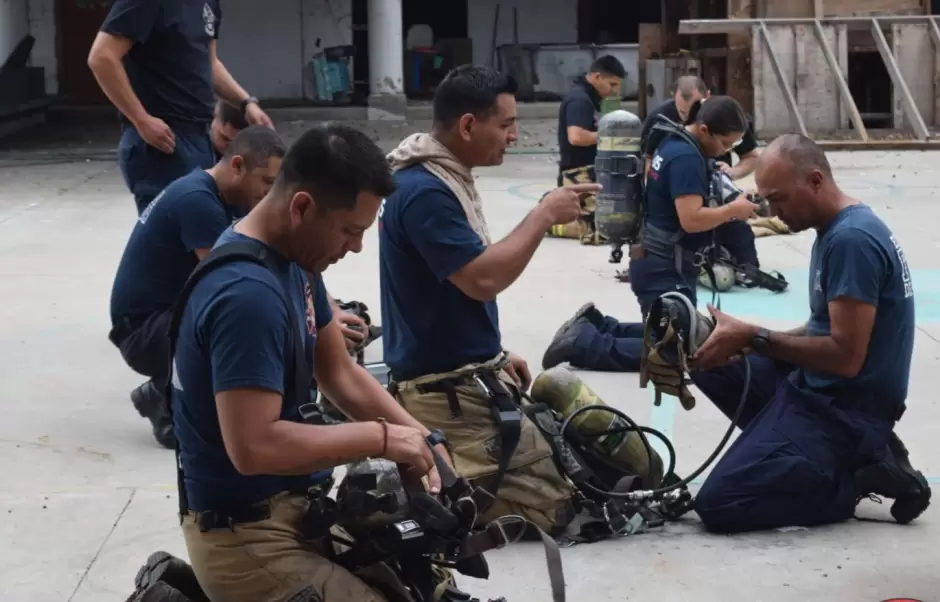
pixel 665 244
pixel 219 256
pixel 666 377
pixel 504 406
pixel 591 519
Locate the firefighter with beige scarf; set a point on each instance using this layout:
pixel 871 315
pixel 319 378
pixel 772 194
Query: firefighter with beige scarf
pixel 440 275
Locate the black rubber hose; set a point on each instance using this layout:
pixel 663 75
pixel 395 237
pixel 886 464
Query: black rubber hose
pixel 640 430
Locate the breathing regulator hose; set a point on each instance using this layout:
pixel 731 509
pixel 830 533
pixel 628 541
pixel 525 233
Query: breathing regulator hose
pixel 642 432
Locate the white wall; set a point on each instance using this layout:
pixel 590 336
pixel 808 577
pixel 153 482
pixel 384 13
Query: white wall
pixel 14 24
pixel 268 55
pixel 540 21
pixel 42 24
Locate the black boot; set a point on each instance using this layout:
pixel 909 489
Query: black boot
pixel 166 578
pixel 895 478
pixel 149 402
pixel 562 348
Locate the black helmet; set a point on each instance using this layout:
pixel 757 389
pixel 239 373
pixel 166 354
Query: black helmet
pixel 674 321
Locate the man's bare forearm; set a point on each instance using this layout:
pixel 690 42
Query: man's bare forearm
pixel 820 353
pixel 744 167
pixel 503 262
pixel 799 331
pixel 112 77
pixel 292 448
pixel 225 85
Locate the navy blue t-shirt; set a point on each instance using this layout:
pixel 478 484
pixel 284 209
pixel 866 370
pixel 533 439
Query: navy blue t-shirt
pixel 580 108
pixel 169 65
pixel 235 333
pixel 676 169
pixel 858 257
pixel 160 254
pixel 429 325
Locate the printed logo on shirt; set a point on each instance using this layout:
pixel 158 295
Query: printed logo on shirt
pixel 905 270
pixel 817 281
pixel 208 15
pixel 311 313
pixel 149 208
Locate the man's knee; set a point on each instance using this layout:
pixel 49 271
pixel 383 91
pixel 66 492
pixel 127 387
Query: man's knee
pixel 269 560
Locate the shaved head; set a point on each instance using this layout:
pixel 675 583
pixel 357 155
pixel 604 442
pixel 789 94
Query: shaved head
pixel 802 153
pixel 795 177
pixel 691 88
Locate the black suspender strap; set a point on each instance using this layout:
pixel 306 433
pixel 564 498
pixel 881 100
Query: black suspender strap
pixel 224 254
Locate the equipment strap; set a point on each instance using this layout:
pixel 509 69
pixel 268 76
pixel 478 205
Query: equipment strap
pixel 501 532
pixel 222 255
pixel 508 417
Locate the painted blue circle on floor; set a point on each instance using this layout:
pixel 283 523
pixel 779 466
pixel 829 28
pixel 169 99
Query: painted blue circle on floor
pixel 793 305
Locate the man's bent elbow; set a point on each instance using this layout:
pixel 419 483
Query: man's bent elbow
pixel 247 461
pixel 478 288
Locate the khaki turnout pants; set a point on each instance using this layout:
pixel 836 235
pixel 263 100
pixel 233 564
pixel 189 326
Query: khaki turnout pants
pixel 270 561
pixel 532 486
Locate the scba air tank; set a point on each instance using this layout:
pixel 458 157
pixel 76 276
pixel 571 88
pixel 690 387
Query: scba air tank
pixel 564 392
pixel 619 171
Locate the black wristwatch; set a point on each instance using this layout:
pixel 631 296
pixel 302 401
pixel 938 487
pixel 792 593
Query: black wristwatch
pixel 243 105
pixel 436 438
pixel 760 342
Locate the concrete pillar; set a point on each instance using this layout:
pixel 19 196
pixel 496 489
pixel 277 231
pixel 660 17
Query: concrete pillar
pixel 386 60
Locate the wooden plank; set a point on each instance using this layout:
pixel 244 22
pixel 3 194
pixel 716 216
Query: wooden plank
pixel 717 26
pixel 896 101
pixel 842 53
pixel 757 78
pixel 781 80
pixel 840 78
pixel 935 36
pixel 915 55
pixel 817 92
pixel 916 119
pixel 818 9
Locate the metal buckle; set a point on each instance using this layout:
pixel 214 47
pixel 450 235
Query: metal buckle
pixel 482 385
pixel 502 533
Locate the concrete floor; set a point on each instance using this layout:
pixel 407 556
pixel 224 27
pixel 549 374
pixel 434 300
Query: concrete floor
pixel 87 493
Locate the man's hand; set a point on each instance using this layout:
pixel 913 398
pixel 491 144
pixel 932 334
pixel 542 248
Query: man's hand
pixel 742 207
pixel 254 115
pixel 730 337
pixel 563 205
pixel 435 482
pixel 518 369
pixel 157 134
pixel 347 320
pixel 406 445
pixel 724 167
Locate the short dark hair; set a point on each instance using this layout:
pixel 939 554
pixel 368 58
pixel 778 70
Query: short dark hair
pixel 256 144
pixel 608 65
pixel 722 115
pixel 470 89
pixel 231 115
pixel 334 163
pixel 802 152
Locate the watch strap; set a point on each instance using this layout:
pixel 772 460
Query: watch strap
pixel 243 105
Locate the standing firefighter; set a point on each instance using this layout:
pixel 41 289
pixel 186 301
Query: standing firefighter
pixel 577 140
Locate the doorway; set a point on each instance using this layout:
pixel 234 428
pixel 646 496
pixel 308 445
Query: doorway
pixel 614 21
pixel 77 22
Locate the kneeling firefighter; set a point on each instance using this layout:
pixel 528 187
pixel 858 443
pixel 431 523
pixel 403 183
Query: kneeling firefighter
pixel 669 222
